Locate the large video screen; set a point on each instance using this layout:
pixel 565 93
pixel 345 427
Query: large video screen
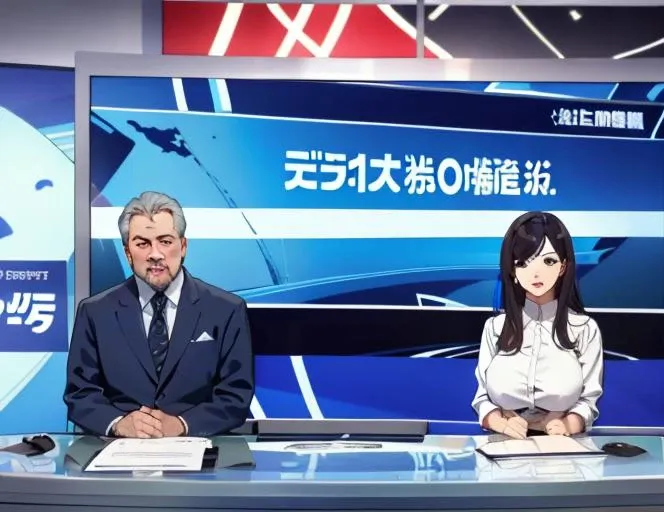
pixel 374 194
pixel 36 245
pixel 365 219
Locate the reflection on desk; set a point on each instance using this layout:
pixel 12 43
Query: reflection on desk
pixel 574 468
pixel 353 461
pixel 289 479
pixel 438 458
pixel 15 463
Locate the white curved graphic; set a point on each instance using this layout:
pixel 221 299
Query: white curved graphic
pixel 496 87
pixel 621 356
pixel 437 352
pixel 460 351
pixel 466 353
pixel 305 388
pixel 422 297
pixel 640 49
pixel 35 177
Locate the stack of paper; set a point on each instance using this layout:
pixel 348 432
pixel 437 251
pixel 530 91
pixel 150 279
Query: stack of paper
pixel 164 454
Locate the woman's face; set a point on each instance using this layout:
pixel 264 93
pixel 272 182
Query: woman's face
pixel 539 274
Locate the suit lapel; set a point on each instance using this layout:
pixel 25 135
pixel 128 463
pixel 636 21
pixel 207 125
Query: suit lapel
pixel 130 318
pixel 186 320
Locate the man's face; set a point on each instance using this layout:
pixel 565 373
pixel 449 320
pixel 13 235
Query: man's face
pixel 155 250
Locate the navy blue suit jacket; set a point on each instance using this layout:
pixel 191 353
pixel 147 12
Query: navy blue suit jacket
pixel 110 371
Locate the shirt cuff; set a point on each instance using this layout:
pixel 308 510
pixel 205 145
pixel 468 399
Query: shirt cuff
pixel 484 409
pixel 109 429
pixel 586 414
pixel 184 423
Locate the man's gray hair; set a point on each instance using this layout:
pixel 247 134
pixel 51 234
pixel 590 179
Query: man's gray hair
pixel 150 204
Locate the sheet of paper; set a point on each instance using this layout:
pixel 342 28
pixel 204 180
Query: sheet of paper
pixel 536 445
pixel 306 447
pixel 510 447
pixel 559 444
pixel 165 454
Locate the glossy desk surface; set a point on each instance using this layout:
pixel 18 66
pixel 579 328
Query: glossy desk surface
pixel 441 473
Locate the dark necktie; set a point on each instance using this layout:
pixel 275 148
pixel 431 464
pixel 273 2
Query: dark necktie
pixel 158 333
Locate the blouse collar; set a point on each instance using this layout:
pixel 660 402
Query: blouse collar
pixel 533 311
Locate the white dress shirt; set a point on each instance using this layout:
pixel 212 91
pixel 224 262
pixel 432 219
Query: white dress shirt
pixel 541 377
pixel 145 294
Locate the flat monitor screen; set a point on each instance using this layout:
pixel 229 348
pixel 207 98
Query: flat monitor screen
pixel 36 246
pixel 364 217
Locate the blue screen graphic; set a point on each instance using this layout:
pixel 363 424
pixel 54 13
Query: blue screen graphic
pixel 376 195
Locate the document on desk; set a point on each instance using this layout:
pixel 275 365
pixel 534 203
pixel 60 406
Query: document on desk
pixel 537 446
pixel 164 454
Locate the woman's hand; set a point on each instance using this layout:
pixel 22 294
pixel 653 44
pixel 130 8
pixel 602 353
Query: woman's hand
pixel 508 423
pixel 556 427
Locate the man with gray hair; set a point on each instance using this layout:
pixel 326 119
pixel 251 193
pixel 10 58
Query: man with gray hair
pixel 162 354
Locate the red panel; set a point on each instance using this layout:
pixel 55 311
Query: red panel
pixel 291 9
pixel 299 51
pixel 190 27
pixel 257 34
pixel 370 33
pixel 320 22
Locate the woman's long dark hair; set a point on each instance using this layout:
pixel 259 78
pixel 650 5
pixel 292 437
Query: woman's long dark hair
pixel 525 239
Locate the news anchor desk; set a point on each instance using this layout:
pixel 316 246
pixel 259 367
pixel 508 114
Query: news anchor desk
pixel 435 472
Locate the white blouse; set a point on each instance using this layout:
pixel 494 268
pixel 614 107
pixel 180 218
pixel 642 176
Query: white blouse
pixel 541 376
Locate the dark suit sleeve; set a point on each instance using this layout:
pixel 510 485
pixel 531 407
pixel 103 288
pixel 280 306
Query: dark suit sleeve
pixel 232 395
pixel 87 406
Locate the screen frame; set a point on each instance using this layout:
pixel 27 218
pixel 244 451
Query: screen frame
pixel 91 64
